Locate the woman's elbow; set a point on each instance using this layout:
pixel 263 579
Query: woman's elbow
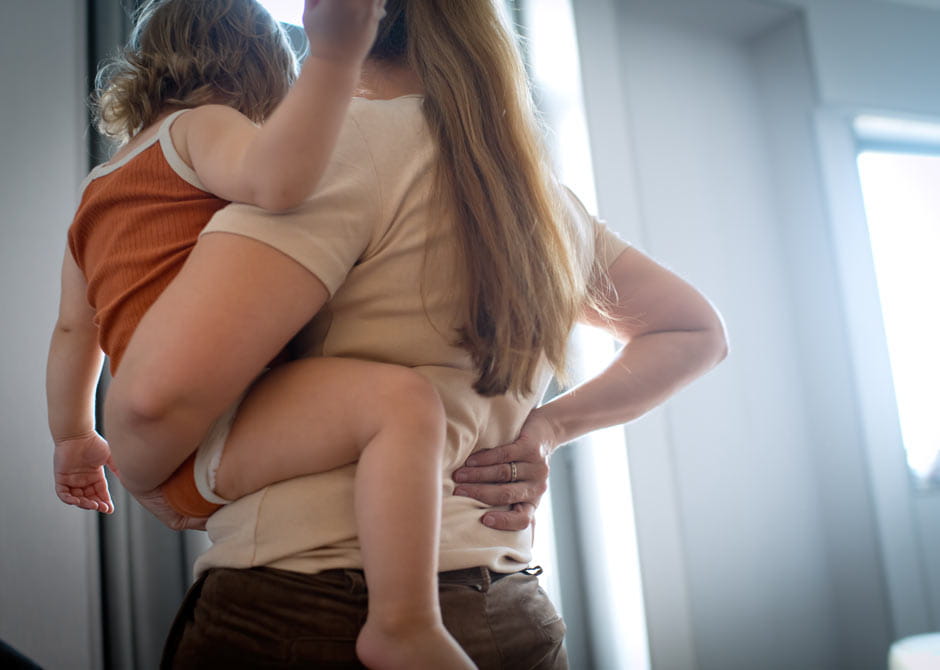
pixel 717 336
pixel 720 347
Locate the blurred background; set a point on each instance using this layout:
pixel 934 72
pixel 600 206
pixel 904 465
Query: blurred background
pixel 781 513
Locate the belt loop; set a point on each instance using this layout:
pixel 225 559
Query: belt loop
pixel 356 581
pixel 487 580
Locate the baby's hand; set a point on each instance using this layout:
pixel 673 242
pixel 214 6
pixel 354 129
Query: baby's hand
pixel 342 30
pixel 79 472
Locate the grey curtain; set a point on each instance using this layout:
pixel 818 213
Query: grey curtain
pixel 145 568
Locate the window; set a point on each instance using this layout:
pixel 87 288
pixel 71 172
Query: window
pixel 899 168
pixel 286 11
pixel 612 601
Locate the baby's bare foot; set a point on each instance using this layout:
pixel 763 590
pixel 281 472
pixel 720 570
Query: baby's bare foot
pixel 410 647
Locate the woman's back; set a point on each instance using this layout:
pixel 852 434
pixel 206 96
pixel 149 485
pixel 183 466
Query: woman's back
pixel 364 234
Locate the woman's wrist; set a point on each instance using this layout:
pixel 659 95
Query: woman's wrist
pixel 552 432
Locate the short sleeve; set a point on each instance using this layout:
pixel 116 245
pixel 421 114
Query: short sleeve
pixel 329 232
pixel 604 245
pixel 607 244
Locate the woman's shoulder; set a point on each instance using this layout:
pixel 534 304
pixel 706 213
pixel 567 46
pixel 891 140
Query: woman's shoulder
pixel 393 121
pixel 404 105
pixel 596 243
pixel 391 136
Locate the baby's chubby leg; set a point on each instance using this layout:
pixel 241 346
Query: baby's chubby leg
pixel 316 414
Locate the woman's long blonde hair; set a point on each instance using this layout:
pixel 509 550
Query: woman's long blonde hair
pixel 524 285
pixel 186 53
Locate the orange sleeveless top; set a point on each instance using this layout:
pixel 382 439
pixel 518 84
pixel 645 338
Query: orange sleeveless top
pixel 137 222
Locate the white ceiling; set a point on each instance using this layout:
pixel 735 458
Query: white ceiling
pixel 928 4
pixel 736 19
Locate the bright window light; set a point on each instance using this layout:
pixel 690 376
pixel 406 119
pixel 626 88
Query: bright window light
pixel 286 11
pixel 614 596
pixel 902 205
pixel 291 11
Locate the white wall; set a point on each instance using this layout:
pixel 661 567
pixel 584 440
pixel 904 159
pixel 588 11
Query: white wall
pixel 875 53
pixel 880 56
pixel 760 517
pixel 861 622
pixel 755 562
pixel 48 579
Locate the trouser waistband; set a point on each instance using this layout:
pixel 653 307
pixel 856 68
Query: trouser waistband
pixel 479 577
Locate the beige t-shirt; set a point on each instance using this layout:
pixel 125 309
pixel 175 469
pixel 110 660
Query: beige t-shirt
pixel 363 234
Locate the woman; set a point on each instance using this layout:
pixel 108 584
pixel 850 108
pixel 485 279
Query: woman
pixel 439 241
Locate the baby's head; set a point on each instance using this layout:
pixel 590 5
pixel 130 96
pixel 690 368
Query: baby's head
pixel 186 53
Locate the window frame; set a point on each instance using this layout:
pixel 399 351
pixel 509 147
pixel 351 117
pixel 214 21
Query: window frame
pixel 891 485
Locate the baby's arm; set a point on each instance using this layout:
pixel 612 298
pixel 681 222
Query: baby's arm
pixel 71 378
pixel 278 165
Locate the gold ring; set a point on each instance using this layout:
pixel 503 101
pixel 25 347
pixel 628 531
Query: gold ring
pixel 512 472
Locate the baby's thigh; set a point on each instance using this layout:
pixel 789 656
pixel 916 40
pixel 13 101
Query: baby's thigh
pixel 315 414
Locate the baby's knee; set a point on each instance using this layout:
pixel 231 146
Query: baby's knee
pixel 409 398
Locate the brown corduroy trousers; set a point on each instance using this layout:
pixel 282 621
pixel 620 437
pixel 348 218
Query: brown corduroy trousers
pixel 264 618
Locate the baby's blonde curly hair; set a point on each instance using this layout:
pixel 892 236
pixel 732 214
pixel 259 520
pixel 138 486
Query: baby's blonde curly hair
pixel 186 53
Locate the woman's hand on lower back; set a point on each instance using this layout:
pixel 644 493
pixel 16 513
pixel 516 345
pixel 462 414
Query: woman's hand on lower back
pixel 513 475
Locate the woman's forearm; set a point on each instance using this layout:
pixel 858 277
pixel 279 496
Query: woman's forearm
pixel 673 335
pixel 643 374
pixel 229 311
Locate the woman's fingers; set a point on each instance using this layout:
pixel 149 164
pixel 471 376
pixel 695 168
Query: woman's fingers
pixel 501 495
pixel 495 484
pixel 520 461
pixel 513 475
pixel 518 517
pixel 521 450
pixel 514 471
